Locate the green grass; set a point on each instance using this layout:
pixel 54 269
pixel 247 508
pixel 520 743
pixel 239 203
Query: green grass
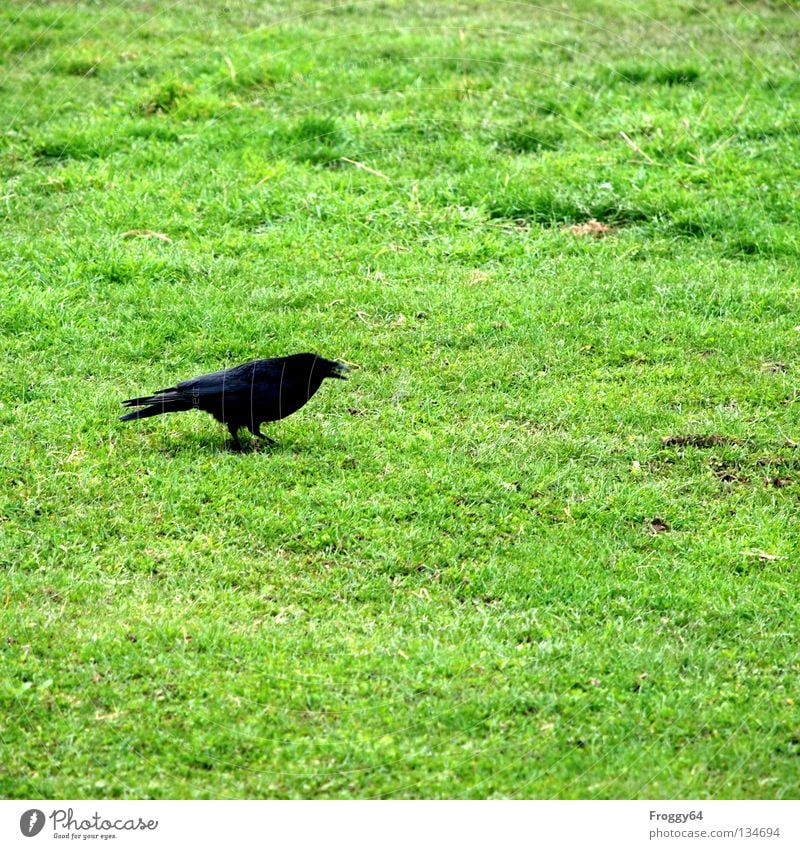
pixel 474 570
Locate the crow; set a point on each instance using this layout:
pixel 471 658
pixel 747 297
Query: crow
pixel 246 395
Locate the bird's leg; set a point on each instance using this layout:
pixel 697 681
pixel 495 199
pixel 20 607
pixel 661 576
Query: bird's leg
pixel 256 431
pixel 234 431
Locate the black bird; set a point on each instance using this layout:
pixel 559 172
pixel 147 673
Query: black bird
pixel 245 395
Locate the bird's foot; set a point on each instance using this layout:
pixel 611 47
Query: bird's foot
pixel 265 440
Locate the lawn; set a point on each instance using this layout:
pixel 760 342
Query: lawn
pixel 544 543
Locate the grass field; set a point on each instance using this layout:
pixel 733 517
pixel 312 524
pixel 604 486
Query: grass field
pixel 551 237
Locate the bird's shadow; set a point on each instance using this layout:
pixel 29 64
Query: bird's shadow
pixel 253 446
pixel 200 444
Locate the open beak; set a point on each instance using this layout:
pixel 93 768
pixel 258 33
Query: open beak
pixel 339 370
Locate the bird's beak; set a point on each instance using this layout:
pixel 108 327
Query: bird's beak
pixel 339 370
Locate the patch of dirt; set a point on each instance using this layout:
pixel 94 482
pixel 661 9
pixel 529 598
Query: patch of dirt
pixel 727 473
pixel 699 441
pixel 659 526
pixel 593 228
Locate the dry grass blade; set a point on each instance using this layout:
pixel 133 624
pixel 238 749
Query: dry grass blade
pixel 365 168
pixel 146 234
pixel 635 147
pixel 762 555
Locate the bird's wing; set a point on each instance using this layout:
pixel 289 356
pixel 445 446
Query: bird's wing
pixel 239 379
pixel 198 387
pixel 265 375
pixel 206 384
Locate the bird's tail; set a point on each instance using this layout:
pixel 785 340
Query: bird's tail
pixel 163 395
pixel 156 409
